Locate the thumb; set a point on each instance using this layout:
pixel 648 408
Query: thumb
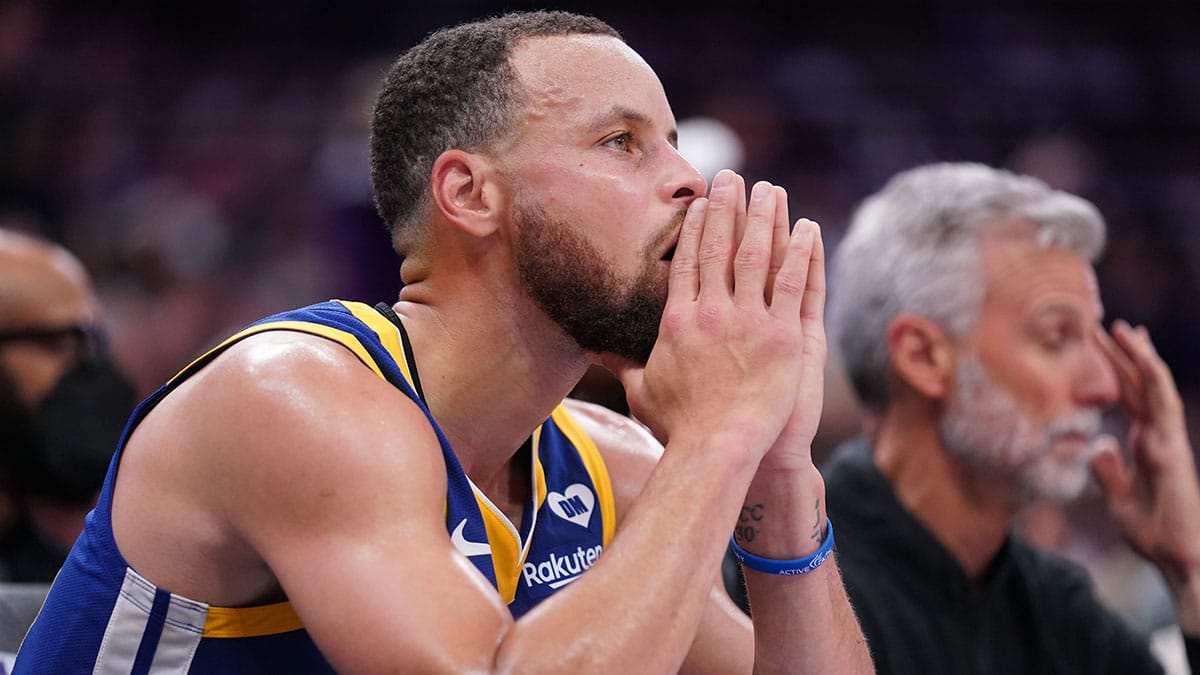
pixel 1109 468
pixel 631 375
pixel 628 372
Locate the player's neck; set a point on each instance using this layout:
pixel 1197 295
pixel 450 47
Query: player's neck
pixel 492 368
pixel 510 487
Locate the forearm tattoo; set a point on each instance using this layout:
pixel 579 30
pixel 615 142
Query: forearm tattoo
pixel 751 517
pixel 747 527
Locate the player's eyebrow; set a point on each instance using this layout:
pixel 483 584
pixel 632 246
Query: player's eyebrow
pixel 627 114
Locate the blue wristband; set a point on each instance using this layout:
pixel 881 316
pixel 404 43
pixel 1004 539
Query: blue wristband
pixel 787 567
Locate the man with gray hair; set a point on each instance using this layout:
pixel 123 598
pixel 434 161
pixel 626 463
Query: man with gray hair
pixel 967 314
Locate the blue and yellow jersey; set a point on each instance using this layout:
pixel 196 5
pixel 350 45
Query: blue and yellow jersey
pixel 103 617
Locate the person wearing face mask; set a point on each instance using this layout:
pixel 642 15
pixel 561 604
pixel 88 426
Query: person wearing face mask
pixel 63 404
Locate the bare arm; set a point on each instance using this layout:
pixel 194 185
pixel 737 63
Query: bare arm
pixel 725 639
pixel 802 624
pixel 1155 498
pixel 334 480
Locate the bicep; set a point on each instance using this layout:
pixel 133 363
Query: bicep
pixel 341 492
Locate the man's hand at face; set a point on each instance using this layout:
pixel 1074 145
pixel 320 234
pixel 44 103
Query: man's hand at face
pixel 1155 498
pixel 733 340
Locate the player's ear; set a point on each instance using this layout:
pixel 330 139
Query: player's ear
pixel 464 191
pixel 922 354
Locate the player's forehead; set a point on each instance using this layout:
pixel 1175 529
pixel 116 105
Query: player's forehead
pixel 580 76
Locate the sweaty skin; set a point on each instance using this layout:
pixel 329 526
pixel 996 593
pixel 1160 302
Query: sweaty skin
pixel 229 491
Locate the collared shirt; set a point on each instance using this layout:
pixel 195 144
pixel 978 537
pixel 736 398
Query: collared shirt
pixel 1032 612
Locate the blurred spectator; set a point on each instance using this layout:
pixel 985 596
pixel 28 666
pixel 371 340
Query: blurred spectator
pixel 63 404
pixel 967 311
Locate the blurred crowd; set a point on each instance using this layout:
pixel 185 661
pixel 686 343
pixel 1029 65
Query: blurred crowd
pixel 207 163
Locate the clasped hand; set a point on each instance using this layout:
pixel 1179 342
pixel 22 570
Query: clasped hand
pixel 741 347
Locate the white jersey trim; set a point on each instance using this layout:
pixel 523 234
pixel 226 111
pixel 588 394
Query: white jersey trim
pixel 126 629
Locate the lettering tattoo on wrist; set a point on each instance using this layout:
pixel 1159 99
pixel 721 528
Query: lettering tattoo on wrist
pixel 816 528
pixel 746 529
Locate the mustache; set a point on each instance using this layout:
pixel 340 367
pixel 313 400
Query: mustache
pixel 1084 423
pixel 668 233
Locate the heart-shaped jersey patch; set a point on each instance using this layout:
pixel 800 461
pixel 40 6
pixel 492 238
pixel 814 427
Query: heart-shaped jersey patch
pixel 574 504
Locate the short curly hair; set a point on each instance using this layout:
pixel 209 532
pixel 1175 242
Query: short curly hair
pixel 455 89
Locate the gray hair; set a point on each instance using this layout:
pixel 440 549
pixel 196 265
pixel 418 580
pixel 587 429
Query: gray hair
pixel 914 247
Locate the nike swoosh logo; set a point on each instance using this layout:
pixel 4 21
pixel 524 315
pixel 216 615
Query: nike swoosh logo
pixel 468 548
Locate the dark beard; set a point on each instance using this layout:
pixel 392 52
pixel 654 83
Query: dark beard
pixel 573 283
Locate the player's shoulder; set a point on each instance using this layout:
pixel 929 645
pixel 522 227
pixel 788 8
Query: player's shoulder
pixel 291 389
pixel 276 353
pixel 612 432
pixel 629 450
pixel 284 367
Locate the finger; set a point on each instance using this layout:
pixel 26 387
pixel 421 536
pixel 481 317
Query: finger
pixel 812 311
pixel 753 260
pixel 1158 389
pixel 684 280
pixel 792 278
pixel 1110 470
pixel 716 241
pixel 631 376
pixel 779 238
pixel 739 221
pixel 629 373
pixel 1124 366
pixel 1128 377
pixel 813 301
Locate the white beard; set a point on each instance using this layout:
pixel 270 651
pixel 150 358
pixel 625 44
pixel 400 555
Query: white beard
pixel 985 427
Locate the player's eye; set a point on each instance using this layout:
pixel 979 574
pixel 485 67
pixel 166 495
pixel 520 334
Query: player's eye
pixel 620 142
